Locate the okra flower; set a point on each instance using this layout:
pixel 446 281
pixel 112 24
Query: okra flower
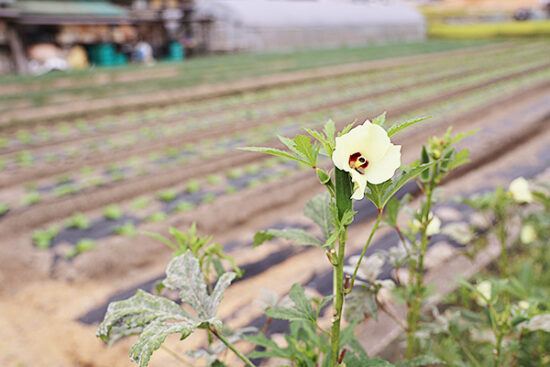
pixel 519 189
pixel 528 234
pixel 367 153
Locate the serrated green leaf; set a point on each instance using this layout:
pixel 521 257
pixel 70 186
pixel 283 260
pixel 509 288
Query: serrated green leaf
pixel 130 316
pixel 347 128
pixel 276 152
pixel 359 303
pixel 160 238
pixel 460 158
pixel 308 150
pixel 261 237
pixel 184 274
pixel 297 235
pixel 421 361
pixel 400 181
pixel 459 137
pixel 154 335
pixel 354 361
pixel 392 210
pixel 318 210
pixel 380 120
pixel 301 302
pixel 284 313
pixel 398 127
pixel 330 131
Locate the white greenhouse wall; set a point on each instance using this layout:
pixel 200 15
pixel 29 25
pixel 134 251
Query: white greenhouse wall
pixel 278 25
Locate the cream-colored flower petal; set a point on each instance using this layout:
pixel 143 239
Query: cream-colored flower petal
pixel 519 188
pixel 360 182
pixel 370 140
pixel 434 226
pixel 384 169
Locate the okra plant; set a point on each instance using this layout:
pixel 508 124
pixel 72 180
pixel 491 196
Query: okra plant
pixel 365 165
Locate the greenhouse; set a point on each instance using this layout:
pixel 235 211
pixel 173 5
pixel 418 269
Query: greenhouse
pixel 264 25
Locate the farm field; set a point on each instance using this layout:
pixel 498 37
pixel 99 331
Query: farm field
pixel 78 188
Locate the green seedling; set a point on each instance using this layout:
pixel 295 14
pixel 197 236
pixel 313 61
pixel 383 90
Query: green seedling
pixel 230 190
pixel 78 221
pixel 184 206
pixel 140 203
pixel 4 208
pixel 96 181
pixel 254 183
pixel 213 179
pixel 234 173
pixel 156 217
pixel 63 179
pixel 86 170
pixel 113 212
pixel 171 152
pixel 65 190
pixel 25 158
pixel 167 195
pixel 24 137
pixel 31 198
pixel 3 142
pixel 84 245
pixel 252 169
pixel 43 238
pixel 117 176
pixel 208 198
pixel 192 186
pixel 127 229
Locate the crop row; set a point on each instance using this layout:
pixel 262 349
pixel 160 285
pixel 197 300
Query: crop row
pixel 271 170
pixel 89 177
pixel 145 135
pixel 194 112
pixel 206 70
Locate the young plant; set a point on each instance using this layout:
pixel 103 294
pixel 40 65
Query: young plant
pixel 127 229
pixel 82 245
pixel 365 162
pixel 78 221
pixel 4 208
pixel 167 195
pixel 42 238
pixel 113 212
pixel 31 198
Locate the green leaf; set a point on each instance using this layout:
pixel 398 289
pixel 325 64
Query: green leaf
pixel 380 120
pixel 276 152
pixel 154 335
pixel 130 316
pixel 460 158
pixel 359 303
pixel 184 273
pixel 425 159
pixel 272 349
pixel 459 137
pixel 301 302
pixel 400 181
pixel 347 128
pixel 318 210
pixel 398 127
pixel 302 310
pixel 421 361
pixel 160 238
pixel 354 361
pixel 392 210
pixel 299 236
pixel 330 131
pixel 344 188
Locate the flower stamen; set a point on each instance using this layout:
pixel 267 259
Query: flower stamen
pixel 358 162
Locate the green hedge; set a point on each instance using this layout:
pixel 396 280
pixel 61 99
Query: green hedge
pixel 490 30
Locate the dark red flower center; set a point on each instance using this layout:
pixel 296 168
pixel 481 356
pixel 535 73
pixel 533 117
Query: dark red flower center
pixel 358 162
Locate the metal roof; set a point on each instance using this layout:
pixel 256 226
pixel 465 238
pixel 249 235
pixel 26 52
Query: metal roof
pixel 68 12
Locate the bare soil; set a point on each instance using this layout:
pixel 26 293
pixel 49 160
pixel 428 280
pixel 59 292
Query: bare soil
pixel 41 300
